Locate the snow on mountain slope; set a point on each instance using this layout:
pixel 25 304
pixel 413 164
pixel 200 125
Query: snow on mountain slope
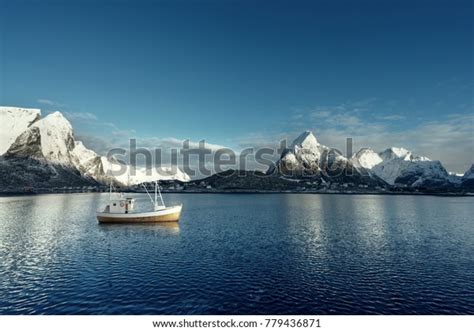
pixel 128 175
pixel 163 173
pixel 88 162
pixel 82 155
pixel 51 139
pixel 13 122
pixel 303 155
pixel 395 153
pixel 103 169
pixel 400 153
pixel 306 157
pixel 27 144
pixel 306 140
pixel 57 140
pixel 423 173
pixel 366 158
pixel 400 166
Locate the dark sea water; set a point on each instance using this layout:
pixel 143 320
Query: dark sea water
pixel 240 254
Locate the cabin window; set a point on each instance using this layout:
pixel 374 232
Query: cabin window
pixel 115 204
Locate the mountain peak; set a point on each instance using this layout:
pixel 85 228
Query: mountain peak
pixel 56 114
pixel 367 158
pixel 57 119
pixel 401 154
pixel 396 153
pixel 57 140
pixel 365 150
pixel 399 151
pixel 306 140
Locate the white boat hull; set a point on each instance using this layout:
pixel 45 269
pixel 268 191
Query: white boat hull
pixel 168 214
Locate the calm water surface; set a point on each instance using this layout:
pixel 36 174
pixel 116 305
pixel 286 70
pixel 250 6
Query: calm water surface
pixel 240 254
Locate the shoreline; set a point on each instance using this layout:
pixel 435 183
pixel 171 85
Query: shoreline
pixel 444 194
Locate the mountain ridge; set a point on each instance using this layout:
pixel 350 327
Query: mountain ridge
pixel 49 143
pixel 46 146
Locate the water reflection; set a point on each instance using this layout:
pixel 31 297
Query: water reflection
pixel 305 219
pixel 157 228
pixel 370 225
pixel 269 254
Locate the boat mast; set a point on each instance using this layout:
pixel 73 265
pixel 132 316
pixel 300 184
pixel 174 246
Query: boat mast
pixel 159 191
pixel 155 195
pixel 110 191
pixel 151 199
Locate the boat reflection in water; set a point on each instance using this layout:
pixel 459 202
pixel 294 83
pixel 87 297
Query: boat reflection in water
pixel 161 229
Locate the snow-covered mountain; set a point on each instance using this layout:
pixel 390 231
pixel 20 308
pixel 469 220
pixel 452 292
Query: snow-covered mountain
pixel 393 167
pixel 43 152
pixel 13 121
pixel 366 158
pixel 302 156
pixel 307 158
pixel 57 139
pixel 399 166
pixel 50 142
pixel 49 138
pixel 105 169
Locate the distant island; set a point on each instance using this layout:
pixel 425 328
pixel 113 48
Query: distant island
pixel 41 155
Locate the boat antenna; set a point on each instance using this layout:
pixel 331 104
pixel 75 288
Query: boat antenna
pixel 111 189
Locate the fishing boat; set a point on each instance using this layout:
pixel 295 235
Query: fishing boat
pixel 122 210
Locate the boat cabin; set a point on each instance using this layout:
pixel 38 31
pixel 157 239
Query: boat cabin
pixel 120 206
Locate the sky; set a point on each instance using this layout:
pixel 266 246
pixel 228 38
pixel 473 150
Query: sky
pixel 248 73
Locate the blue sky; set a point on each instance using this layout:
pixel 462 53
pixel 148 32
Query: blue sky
pixel 242 73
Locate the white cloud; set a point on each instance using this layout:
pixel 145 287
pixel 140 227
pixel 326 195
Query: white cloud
pixel 51 103
pixel 363 102
pixel 320 113
pixel 85 116
pixel 123 133
pixel 391 117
